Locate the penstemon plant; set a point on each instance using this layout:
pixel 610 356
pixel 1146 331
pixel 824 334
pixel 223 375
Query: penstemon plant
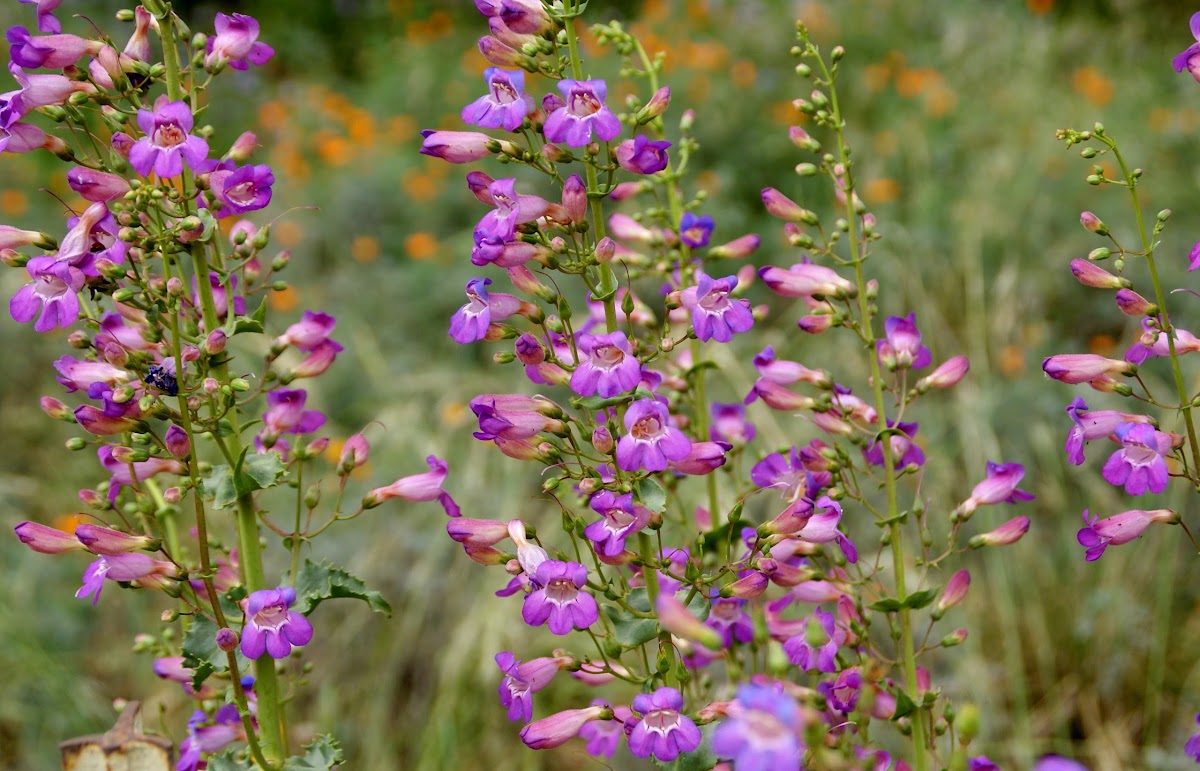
pixel 192 411
pixel 739 618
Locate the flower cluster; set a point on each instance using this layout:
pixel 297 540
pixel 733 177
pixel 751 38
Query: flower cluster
pixel 681 591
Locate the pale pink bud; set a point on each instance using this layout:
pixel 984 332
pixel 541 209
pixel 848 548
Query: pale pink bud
pixel 602 440
pixel 97 186
pixel 748 587
pixel 1076 368
pixel 737 249
pixel 455 146
pixel 1008 533
pixel 354 454
pixel 56 409
pixel 780 206
pixel 561 727
pixel 1091 274
pixel 502 55
pixel 1133 304
pixel 47 540
pixel 955 591
pixel 1092 224
pixel 477 532
pixel 215 342
pixel 947 374
pixel 529 555
pixel 574 198
pixel 674 617
pixel 102 540
pixel 243 147
pixel 606 249
pixel 657 105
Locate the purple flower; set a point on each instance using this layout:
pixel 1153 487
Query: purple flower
pixel 46 540
pixel 663 731
pixel 583 114
pixel 45 14
pixel 695 231
pixel 236 42
pixel 728 616
pixel 904 450
pixel 505 105
pixel 286 415
pixel 470 322
pixel 521 681
pixel 91 237
pixel 133 566
pixel 604 736
pixel 842 694
pixel 1140 464
pixel 1194 257
pixel 619 518
pixel 1192 748
pixel 38 90
pixel 729 424
pixel 651 442
pixel 272 628
pixel 1093 424
pixel 901 348
pixel 1190 57
pixel 760 731
pixel 1057 763
pixel 1154 342
pixel 642 156
pixel 559 728
pixel 50 51
pixel 822 527
pixel 168 141
pixel 1098 534
pixel 52 294
pixel 417 487
pixel 806 280
pixel 1000 486
pixel 455 146
pixel 310 331
pixel 981 763
pixel 97 186
pixel 607 366
pixel 715 315
pixel 245 189
pixel 209 736
pixel 1076 368
pixel 816 647
pixel 558 598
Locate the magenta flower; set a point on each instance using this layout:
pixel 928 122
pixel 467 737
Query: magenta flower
pixel 522 680
pixel 52 294
pixel 455 146
pixel 904 450
pixel 523 17
pixel 505 105
pixel 1140 464
pixel 822 527
pixel 1194 257
pixel 53 52
pixel 310 331
pixel 651 441
pixel 901 348
pixel 558 598
pixel 695 231
pixel 37 90
pixel 236 43
pixel 559 728
pixel 207 736
pixel 46 540
pixel 137 567
pixel 505 417
pixel 729 424
pixel 1098 534
pixel 604 736
pixel 806 280
pixel 168 141
pixel 663 731
pixel 607 366
pixel 729 617
pixel 716 315
pixel 619 518
pixel 642 156
pixel 1000 486
pixel 270 627
pixel 760 731
pixel 1093 424
pixel 1153 343
pixel 1189 59
pixel 582 115
pixel 418 487
pixel 286 415
pixel 816 647
pixel 241 190
pixel 97 186
pixel 470 322
pixel 1076 368
pixel 1192 748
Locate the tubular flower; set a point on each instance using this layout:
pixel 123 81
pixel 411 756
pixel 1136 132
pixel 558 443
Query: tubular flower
pixel 716 315
pixel 137 567
pixel 619 518
pixel 418 487
pixel 558 598
pixel 242 190
pixel 470 322
pixel 663 731
pixel 642 156
pixel 1000 486
pixel 53 52
pixel 270 627
pixel 561 727
pixel 901 347
pixel 817 645
pixel 582 114
pixel 1141 463
pixel 1189 58
pixel 694 231
pixel 47 540
pixel 607 366
pixel 522 680
pixel 505 105
pixel 1076 368
pixel 206 735
pixel 236 43
pixel 904 449
pixel 651 442
pixel 1093 424
pixel 52 294
pixel 1098 534
pixel 168 141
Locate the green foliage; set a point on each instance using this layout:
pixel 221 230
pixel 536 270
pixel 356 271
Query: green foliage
pixel 256 471
pixel 320 581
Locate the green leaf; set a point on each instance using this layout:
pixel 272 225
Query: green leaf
pixel 918 600
pixel 651 495
pixel 264 468
pixel 219 485
pixel 227 761
pixel 254 472
pixel 699 759
pixel 629 630
pixel 904 705
pixel 324 754
pixel 253 322
pixel 320 581
pixel 201 654
pixel 209 223
pixel 886 605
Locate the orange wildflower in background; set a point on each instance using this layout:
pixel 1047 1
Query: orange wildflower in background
pixel 1039 6
pixel 364 248
pixel 420 186
pixel 285 300
pixel 421 246
pixel 13 203
pixel 1092 85
pixel 883 190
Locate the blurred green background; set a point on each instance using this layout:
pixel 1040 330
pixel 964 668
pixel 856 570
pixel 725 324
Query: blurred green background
pixel 952 108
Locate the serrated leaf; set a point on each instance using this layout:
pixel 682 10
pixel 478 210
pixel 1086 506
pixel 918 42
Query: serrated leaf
pixel 886 605
pixel 699 759
pixel 320 581
pixel 252 323
pixel 629 630
pixel 651 495
pixel 226 761
pixel 918 600
pixel 201 654
pixel 904 705
pixel 264 468
pixel 324 754
pixel 219 484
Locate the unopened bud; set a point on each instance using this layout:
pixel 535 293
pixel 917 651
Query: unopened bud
pixel 215 342
pixel 227 639
pixel 606 248
pixel 57 410
pixel 602 440
pixel 177 442
pixel 1092 224
pixel 957 637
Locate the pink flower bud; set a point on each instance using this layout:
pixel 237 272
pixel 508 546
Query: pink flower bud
pixel 1133 304
pixel 177 442
pixel 574 198
pixel 1090 274
pixel 1008 533
pixel 780 206
pixel 737 249
pixel 1092 224
pixel 172 495
pixel 674 617
pixel 801 138
pixel 215 342
pixel 56 409
pixel 243 147
pixel 354 454
pixel 626 228
pixel 455 146
pixel 561 727
pixel 955 591
pixel 500 54
pixel 947 374
pixel 477 532
pixel 657 105
pixel 227 639
pixel 606 249
pixel 102 540
pixel 602 440
pixel 807 280
pixel 97 186
pixel 47 540
pixel 1076 368
pixel 748 587
pixel 815 325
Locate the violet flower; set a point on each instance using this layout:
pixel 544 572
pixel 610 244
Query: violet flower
pixel 133 566
pixel 663 731
pixel 1000 486
pixel 1140 464
pixel 1189 59
pixel 583 114
pixel 236 43
pixel 729 424
pixel 418 487
pixel 904 450
pixel 53 52
pixel 45 14
pixel 1192 748
pixel 241 190
pixel 1098 534
pixel 558 598
pixel 1076 368
pixel 90 237
pixel 168 141
pixel 619 518
pixel 642 156
pixel 607 366
pixel 760 730
pixel 51 297
pixel 523 679
pixel 715 315
pixel 455 146
pixel 901 348
pixel 816 647
pixel 728 616
pixel 208 736
pixel 559 728
pixel 286 415
pixel 806 280
pixel 310 331
pixel 604 736
pixel 1093 424
pixel 470 322
pixel 270 627
pixel 97 186
pixel 505 105
pixel 651 441
pixel 822 527
pixel 694 231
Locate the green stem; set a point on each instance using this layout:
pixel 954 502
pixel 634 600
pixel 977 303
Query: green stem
pixel 908 653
